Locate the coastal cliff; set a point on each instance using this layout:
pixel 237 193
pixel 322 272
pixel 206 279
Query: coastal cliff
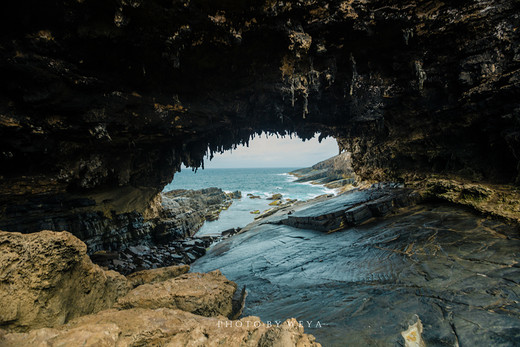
pixel 101 102
pixel 335 172
pixel 165 238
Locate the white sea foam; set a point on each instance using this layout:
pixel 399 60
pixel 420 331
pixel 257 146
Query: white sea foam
pixel 288 177
pixel 262 183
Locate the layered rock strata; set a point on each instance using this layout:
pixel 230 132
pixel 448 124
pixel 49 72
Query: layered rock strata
pixel 169 241
pixel 351 208
pixel 183 212
pixel 373 284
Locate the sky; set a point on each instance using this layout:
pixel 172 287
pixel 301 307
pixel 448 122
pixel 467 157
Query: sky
pixel 276 152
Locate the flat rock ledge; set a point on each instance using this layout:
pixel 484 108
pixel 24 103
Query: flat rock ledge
pixel 351 208
pixel 51 294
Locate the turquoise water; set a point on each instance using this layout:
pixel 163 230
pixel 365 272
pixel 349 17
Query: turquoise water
pixel 263 182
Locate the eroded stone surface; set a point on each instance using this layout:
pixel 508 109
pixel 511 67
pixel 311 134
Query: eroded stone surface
pixel 156 275
pixel 47 278
pixel 206 294
pixel 350 208
pixel 145 327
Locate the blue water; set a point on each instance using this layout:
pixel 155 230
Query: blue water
pixel 263 182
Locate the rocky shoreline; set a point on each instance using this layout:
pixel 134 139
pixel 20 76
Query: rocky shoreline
pixel 180 215
pixel 333 173
pixel 60 305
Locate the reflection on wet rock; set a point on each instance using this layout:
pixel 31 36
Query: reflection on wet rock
pixel 456 271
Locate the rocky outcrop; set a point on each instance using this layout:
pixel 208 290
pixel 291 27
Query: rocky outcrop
pixel 349 209
pixel 102 102
pixel 185 211
pixel 47 279
pixel 335 172
pixel 152 256
pixel 495 200
pixel 142 327
pixel 208 294
pixel 156 275
pixel 167 240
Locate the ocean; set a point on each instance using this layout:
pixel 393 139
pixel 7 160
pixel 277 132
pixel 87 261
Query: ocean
pixel 263 182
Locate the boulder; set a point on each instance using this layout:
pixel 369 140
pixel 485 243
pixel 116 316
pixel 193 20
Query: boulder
pixel 161 327
pixel 46 279
pixel 156 275
pixel 208 294
pixel 235 195
pixel 275 197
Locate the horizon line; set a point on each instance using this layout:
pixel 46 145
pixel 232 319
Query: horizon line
pixel 259 167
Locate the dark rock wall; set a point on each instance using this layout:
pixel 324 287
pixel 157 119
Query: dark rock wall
pixel 101 102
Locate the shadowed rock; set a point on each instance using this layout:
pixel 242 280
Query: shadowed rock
pixel 96 116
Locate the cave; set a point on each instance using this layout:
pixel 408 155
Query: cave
pixel 101 102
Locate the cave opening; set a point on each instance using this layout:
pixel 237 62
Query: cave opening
pixel 102 102
pixel 267 172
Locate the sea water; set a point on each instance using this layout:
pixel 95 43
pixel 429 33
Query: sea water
pixel 263 182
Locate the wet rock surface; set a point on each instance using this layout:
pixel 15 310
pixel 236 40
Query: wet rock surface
pixel 455 271
pixel 351 208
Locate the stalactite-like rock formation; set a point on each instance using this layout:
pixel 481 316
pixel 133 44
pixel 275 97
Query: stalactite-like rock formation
pixel 101 102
